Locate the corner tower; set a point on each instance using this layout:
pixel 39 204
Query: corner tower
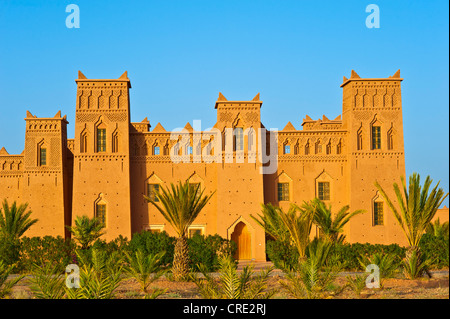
pixel 45 183
pixel 372 116
pixel 101 172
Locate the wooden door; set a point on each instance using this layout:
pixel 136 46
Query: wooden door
pixel 242 237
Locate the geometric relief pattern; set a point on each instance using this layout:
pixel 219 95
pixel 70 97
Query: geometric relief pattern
pixel 226 116
pixel 362 115
pixel 92 117
pixel 55 152
pixel 30 149
pixel 251 117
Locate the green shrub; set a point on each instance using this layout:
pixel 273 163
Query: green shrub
pixel 45 250
pixel 280 252
pixel 350 253
pixel 204 250
pixel 436 250
pixel 345 253
pixel 153 243
pixel 9 251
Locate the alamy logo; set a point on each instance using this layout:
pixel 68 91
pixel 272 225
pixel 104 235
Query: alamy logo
pixel 373 19
pixel 73 19
pixel 373 279
pixel 72 276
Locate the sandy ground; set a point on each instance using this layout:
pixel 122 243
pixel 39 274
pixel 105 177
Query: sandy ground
pixel 394 288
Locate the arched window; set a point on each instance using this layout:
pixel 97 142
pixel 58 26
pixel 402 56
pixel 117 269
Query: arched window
pixel 390 139
pixel 166 149
pixel 318 147
pixel 359 141
pixel 238 139
pixel 101 138
pixel 378 214
pixel 115 142
pixel 42 156
pixel 328 148
pixel 152 189
pixel 286 149
pixel 283 192
pixel 339 147
pixel 251 140
pixel 83 142
pixel 100 212
pixel 376 137
pixel 323 190
pixel 307 148
pixel 296 148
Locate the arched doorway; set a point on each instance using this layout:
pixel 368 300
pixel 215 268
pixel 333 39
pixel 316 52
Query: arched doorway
pixel 242 237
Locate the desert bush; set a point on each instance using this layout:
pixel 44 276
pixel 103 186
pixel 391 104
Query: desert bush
pixel 152 243
pixel 284 253
pixel 6 284
pixel 100 275
pixel 45 250
pixel 231 285
pixel 146 269
pixel 204 250
pixel 47 281
pixel 313 277
pixel 10 252
pixel 356 283
pixel 388 264
pixel 281 252
pixel 436 249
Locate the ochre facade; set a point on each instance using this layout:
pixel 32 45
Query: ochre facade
pixel 111 163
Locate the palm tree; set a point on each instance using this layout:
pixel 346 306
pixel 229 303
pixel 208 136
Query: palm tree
pixel 231 285
pixel 299 225
pixel 437 229
pixel 146 269
pixel 417 207
pixel 14 221
pixel 99 276
pixel 86 230
pixel 272 223
pixel 47 282
pixel 311 278
pixel 332 228
pixel 6 284
pixel 180 205
pixel 386 263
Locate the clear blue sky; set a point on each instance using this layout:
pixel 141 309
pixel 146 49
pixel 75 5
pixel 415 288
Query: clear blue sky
pixel 180 54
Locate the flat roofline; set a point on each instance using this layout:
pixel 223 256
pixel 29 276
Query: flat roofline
pixel 234 102
pixel 370 79
pixel 104 80
pixel 46 119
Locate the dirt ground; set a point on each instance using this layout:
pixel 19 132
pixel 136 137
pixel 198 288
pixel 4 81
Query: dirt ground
pixel 394 288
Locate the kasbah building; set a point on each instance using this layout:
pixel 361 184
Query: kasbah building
pixel 111 163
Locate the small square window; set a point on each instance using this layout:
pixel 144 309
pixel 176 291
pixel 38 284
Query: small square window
pixel 283 192
pixel 324 190
pixel 101 213
pixel 376 137
pixel 152 189
pixel 287 149
pixel 239 139
pixel 378 218
pixel 101 140
pixel 43 157
pixel 194 231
